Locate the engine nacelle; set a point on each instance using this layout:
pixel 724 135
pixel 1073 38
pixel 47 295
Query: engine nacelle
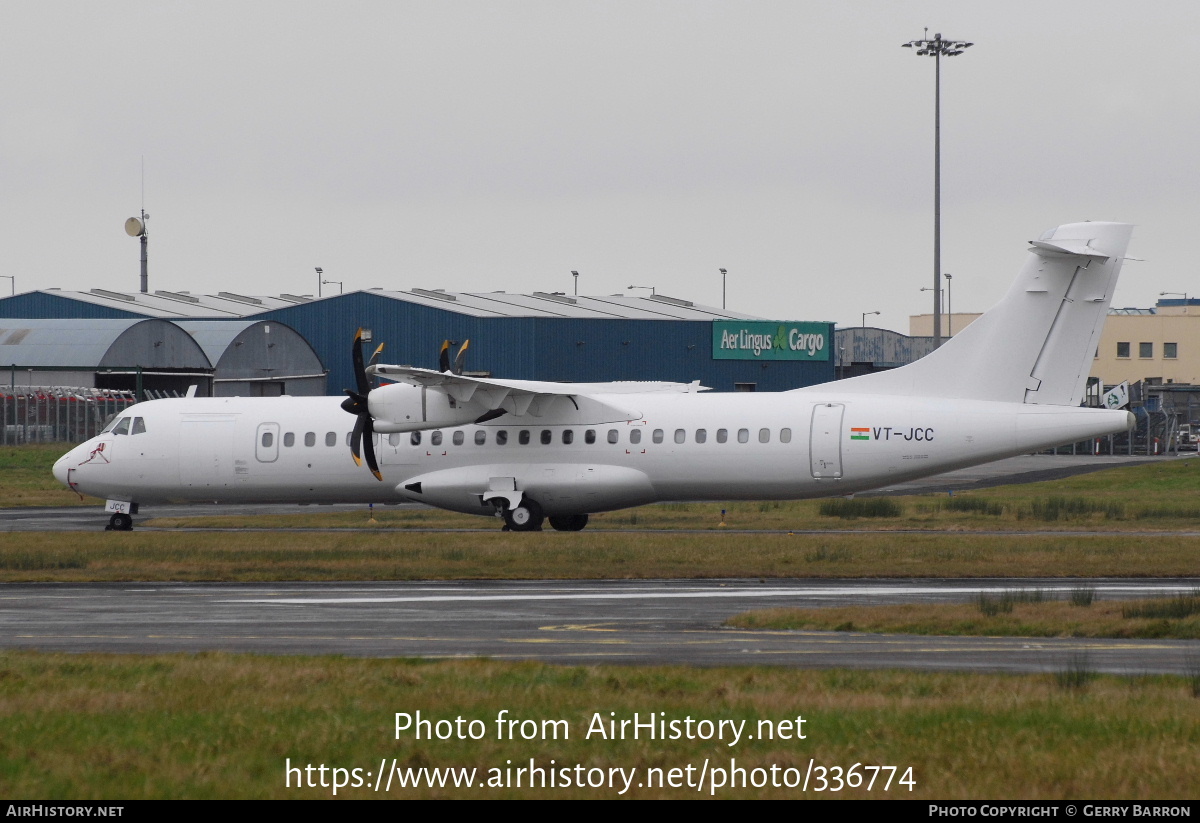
pixel 401 407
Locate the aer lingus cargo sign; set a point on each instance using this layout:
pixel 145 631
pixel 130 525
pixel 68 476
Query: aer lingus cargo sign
pixel 770 340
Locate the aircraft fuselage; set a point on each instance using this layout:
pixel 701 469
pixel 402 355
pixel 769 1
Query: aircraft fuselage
pixel 812 442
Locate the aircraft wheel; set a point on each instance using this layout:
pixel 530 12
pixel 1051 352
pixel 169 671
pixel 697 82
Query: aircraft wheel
pixel 120 523
pixel 569 522
pixel 526 517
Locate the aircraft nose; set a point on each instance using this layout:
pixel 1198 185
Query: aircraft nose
pixel 62 465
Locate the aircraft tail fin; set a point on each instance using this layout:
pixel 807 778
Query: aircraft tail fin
pixel 1037 344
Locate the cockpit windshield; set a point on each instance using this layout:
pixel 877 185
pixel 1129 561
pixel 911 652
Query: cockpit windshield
pixel 125 425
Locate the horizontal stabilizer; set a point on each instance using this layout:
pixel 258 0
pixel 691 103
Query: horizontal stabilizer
pixel 1077 247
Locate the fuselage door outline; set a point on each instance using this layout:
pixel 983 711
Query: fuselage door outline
pixel 825 440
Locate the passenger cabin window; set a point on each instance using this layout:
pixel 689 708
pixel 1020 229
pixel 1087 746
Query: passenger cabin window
pixel 568 437
pixel 435 439
pixel 680 436
pixel 459 438
pixel 415 438
pixel 523 437
pixel 743 435
pixel 331 439
pixel 635 436
pixel 310 438
pixel 701 435
pixel 657 437
pixel 502 437
pixel 589 436
pixel 722 435
pixel 480 437
pixel 613 436
pixel 267 440
pixel 764 435
pixel 785 435
pixel 547 437
pixel 394 439
pixel 289 439
pixel 139 425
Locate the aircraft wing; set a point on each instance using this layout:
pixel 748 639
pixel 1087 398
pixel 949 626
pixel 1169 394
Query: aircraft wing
pixel 532 397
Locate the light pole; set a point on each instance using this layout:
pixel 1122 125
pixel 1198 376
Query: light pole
pixel 575 274
pixel 1182 294
pixel 949 308
pixel 937 48
pixel 331 282
pixel 643 287
pixel 864 319
pixel 723 273
pixel 937 303
pixel 320 271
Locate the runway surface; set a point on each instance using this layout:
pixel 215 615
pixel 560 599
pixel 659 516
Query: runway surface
pixel 589 622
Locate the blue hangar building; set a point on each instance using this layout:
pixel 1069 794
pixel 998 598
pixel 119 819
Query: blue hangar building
pixel 539 336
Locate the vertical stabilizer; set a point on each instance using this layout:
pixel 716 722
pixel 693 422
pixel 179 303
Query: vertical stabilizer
pixel 1037 344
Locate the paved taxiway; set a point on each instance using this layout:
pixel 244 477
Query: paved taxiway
pixel 585 622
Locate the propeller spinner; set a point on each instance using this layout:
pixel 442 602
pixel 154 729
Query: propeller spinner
pixel 356 404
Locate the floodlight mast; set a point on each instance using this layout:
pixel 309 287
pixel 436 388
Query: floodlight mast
pixel 937 48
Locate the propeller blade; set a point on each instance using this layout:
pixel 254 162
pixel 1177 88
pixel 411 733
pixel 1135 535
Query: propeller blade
pixel 356 404
pixel 461 358
pixel 368 444
pixel 444 357
pixel 356 439
pixel 360 372
pixel 375 356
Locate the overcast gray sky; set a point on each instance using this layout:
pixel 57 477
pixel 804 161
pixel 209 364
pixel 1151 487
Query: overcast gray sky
pixel 478 146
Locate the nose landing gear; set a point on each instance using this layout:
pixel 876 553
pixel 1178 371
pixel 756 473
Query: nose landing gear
pixel 119 522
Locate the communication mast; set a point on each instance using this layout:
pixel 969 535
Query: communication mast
pixel 137 228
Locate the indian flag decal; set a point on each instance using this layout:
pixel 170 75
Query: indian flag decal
pixel 860 434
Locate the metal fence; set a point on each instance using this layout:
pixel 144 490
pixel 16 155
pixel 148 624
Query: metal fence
pixel 37 414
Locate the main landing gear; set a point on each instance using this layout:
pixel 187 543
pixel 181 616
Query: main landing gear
pixel 120 522
pixel 569 522
pixel 528 517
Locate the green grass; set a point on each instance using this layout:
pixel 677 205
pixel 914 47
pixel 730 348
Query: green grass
pixel 97 726
pixel 494 555
pixel 1179 607
pixel 26 478
pixel 861 507
pixel 992 615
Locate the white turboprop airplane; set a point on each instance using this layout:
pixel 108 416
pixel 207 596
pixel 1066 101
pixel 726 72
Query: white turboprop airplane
pixel 1008 384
